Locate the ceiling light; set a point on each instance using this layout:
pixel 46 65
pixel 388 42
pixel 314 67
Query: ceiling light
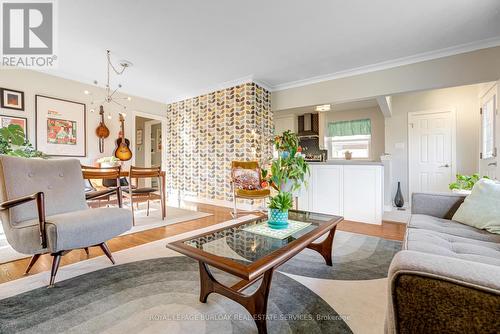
pixel 110 93
pixel 323 107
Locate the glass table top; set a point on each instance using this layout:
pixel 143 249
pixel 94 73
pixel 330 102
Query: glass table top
pixel 246 247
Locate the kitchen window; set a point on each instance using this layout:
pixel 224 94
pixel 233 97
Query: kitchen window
pixel 353 136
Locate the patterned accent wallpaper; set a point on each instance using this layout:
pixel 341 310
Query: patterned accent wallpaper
pixel 207 132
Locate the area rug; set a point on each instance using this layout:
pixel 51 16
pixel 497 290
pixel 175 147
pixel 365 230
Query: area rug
pixel 156 290
pixel 160 296
pixel 142 222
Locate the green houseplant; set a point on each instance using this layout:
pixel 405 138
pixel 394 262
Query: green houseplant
pixel 287 174
pixel 464 183
pixel 14 143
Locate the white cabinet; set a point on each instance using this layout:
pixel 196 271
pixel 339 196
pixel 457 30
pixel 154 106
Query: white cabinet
pixel 355 192
pixel 363 194
pixel 327 190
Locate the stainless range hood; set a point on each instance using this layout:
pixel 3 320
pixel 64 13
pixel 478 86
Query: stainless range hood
pixel 308 126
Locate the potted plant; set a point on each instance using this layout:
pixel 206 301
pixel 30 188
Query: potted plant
pixel 464 183
pixel 278 210
pixel 13 142
pixel 287 174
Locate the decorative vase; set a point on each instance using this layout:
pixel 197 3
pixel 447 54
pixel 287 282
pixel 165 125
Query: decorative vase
pixel 348 155
pixel 399 201
pixel 277 219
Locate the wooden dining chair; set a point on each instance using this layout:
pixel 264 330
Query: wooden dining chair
pixel 102 173
pixel 145 193
pixel 246 183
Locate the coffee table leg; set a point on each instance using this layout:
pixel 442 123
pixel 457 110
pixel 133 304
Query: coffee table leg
pixel 256 303
pixel 325 247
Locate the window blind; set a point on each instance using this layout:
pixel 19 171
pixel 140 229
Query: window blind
pixel 350 128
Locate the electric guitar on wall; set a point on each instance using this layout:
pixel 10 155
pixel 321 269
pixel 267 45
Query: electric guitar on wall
pixel 122 150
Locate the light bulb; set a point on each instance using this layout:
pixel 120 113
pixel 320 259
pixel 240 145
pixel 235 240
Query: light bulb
pixel 109 116
pixel 129 98
pixel 91 110
pixel 86 92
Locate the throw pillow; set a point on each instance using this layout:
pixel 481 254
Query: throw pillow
pixel 481 209
pixel 248 179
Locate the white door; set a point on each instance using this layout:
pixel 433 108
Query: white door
pixel 488 163
pixel 431 137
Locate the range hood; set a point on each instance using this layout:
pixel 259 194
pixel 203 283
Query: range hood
pixel 308 125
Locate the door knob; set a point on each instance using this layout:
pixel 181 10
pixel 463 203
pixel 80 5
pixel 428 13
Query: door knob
pixel 445 166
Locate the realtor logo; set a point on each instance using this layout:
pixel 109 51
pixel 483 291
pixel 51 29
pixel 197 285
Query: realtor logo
pixel 28 33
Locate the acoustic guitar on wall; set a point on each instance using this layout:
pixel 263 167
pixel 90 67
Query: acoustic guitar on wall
pixel 102 130
pixel 122 150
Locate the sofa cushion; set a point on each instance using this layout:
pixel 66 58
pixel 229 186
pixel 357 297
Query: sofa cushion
pixel 86 227
pixel 451 227
pixel 481 208
pixel 432 242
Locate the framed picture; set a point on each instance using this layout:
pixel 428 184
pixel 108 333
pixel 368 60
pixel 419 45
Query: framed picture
pixel 138 137
pixel 12 99
pixel 21 121
pixel 60 127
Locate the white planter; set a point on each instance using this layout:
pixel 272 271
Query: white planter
pixel 461 191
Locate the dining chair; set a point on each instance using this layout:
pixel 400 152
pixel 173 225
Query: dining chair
pixel 43 209
pixel 145 193
pixel 246 183
pixel 102 173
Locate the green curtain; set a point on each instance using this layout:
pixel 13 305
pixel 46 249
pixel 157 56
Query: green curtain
pixel 350 128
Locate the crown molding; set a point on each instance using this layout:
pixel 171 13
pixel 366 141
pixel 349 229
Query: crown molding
pixel 421 57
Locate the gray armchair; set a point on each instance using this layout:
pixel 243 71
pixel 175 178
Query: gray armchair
pixel 43 210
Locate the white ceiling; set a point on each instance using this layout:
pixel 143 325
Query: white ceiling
pixel 335 107
pixel 186 47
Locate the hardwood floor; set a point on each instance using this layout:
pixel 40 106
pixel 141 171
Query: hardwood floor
pixel 15 269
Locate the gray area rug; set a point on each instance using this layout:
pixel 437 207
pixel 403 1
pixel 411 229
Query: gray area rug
pixel 160 296
pixel 355 257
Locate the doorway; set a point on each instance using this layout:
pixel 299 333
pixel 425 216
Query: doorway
pixel 432 150
pixel 148 145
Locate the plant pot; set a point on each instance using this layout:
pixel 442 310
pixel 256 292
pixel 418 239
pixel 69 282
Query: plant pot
pixel 277 219
pixel 462 191
pixel 348 155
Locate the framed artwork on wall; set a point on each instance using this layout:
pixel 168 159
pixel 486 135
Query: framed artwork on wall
pixel 11 99
pixel 138 137
pixel 5 121
pixel 60 127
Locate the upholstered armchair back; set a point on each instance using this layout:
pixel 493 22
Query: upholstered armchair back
pixel 60 180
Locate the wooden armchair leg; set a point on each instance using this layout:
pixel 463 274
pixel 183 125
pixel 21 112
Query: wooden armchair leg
pixel 235 209
pixel 106 251
pixel 86 249
pixel 33 260
pixel 56 260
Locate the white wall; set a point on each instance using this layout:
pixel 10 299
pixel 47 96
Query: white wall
pixel 32 83
pixel 466 103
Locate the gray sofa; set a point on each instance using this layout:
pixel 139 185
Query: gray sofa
pixel 447 277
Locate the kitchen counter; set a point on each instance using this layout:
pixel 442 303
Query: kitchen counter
pixel 353 189
pixel 347 162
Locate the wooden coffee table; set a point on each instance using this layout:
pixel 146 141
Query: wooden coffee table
pixel 252 257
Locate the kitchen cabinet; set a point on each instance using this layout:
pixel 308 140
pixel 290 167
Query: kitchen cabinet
pixel 352 191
